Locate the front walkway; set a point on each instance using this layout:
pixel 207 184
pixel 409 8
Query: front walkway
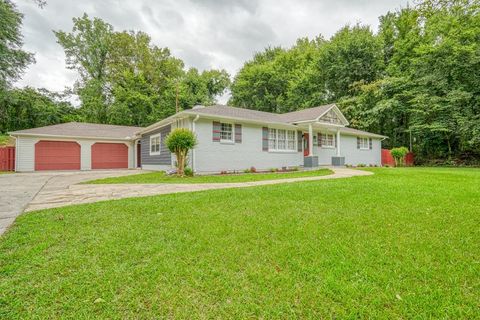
pixel 59 191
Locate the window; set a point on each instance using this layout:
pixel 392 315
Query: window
pixel 363 143
pixel 281 140
pixel 328 140
pixel 226 132
pixel 272 139
pixel 291 140
pixel 155 144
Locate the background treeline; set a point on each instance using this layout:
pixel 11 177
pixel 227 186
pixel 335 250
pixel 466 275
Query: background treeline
pixel 416 80
pixel 122 77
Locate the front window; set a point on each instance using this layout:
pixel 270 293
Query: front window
pixel 363 143
pixel 281 140
pixel 155 144
pixel 328 140
pixel 226 132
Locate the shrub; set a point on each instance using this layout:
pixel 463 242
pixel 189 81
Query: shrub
pixel 253 169
pixel 361 165
pixel 188 172
pixel 223 172
pixel 273 169
pixel 294 168
pixel 246 171
pixel 179 142
pixel 399 155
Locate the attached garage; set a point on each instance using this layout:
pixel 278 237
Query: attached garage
pixel 109 156
pixel 57 155
pixel 75 146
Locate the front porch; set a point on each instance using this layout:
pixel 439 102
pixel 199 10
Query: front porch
pixel 321 142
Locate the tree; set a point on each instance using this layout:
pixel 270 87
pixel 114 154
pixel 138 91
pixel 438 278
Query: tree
pixel 399 155
pixel 179 142
pixel 13 59
pixel 86 49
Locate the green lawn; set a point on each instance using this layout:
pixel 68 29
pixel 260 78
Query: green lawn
pixel 400 244
pixel 161 177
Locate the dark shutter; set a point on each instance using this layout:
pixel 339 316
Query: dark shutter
pixel 319 139
pixel 264 139
pixel 370 143
pixel 358 142
pixel 217 127
pixel 238 133
pixel 335 140
pixel 299 141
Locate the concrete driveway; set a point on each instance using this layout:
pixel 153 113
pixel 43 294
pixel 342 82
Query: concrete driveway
pixel 17 190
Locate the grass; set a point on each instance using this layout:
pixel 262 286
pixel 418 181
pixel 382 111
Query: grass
pixel 161 177
pixel 403 243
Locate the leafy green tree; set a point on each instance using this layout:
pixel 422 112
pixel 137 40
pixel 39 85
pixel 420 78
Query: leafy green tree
pixel 13 59
pixel 179 142
pixel 87 48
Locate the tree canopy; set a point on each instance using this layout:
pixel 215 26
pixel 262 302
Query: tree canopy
pixel 416 80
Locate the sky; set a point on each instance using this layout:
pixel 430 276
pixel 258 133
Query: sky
pixel 203 33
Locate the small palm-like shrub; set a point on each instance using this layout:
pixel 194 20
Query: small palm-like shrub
pixel 399 155
pixel 179 142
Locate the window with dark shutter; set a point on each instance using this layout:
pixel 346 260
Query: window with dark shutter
pixel 370 143
pixel 264 139
pixel 299 141
pixel 238 133
pixel 358 142
pixel 216 131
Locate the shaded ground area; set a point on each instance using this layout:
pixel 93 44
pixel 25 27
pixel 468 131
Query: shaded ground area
pixel 399 244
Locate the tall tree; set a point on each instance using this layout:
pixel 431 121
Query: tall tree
pixel 86 49
pixel 13 59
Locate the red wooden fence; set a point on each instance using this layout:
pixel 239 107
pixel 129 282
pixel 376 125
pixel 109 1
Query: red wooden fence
pixel 387 158
pixel 7 158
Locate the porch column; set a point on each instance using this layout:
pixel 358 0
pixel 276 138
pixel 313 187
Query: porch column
pixel 310 140
pixel 338 143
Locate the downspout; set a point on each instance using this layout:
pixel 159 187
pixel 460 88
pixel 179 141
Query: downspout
pixel 193 150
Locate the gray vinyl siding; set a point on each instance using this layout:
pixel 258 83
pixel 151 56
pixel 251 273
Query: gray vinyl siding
pixel 165 157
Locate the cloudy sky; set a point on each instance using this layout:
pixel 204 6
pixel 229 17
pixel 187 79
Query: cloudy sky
pixel 203 33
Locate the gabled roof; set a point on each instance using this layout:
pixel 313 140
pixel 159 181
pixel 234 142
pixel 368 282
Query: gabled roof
pixel 80 129
pixel 306 114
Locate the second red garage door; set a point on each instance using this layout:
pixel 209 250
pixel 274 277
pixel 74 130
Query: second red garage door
pixel 57 155
pixel 109 156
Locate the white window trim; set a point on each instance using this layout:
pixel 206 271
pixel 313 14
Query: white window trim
pixel 159 136
pixel 276 150
pixel 226 141
pixel 333 140
pixel 368 143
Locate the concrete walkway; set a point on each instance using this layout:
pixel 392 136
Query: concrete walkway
pixel 62 191
pixel 17 190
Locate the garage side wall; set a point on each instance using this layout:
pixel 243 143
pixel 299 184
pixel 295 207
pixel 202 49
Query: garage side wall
pixel 25 152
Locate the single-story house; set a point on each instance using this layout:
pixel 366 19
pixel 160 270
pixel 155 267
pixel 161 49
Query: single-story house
pixel 229 139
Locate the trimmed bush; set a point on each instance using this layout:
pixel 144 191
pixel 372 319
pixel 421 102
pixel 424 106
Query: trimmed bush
pixel 399 155
pixel 179 142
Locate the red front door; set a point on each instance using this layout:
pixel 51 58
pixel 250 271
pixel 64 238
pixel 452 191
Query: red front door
pixel 306 150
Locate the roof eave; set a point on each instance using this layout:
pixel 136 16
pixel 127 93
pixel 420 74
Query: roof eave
pixel 43 135
pixel 211 116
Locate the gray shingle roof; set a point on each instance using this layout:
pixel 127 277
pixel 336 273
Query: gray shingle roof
pixel 360 132
pixel 248 114
pixel 80 129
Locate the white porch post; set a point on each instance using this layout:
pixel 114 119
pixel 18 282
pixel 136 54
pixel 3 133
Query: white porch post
pixel 338 143
pixel 310 140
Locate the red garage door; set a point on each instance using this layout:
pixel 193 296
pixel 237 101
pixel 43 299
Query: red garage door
pixel 109 156
pixel 57 155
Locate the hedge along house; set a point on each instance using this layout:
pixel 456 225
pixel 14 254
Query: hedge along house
pixel 232 138
pixel 75 146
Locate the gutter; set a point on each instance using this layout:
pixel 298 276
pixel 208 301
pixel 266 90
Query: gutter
pixel 41 135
